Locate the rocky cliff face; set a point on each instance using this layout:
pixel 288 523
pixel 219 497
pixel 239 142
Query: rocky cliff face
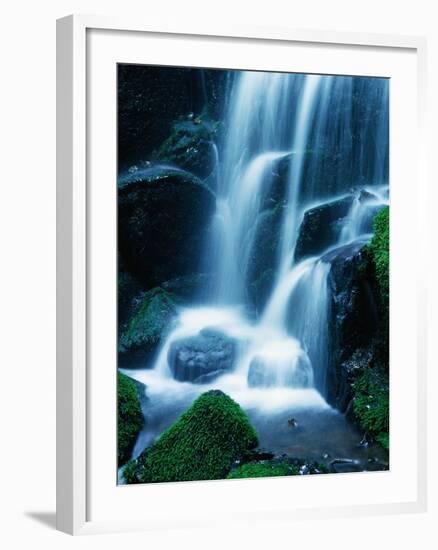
pixel 354 320
pixel 151 99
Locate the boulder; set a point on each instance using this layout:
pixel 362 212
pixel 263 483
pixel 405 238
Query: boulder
pixel 202 358
pixel 147 328
pixel 321 227
pixel 163 219
pixel 203 444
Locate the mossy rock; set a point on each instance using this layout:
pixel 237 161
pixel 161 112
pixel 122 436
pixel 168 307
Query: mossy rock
pixel 202 444
pixel 371 404
pixel 284 466
pixel 129 417
pixel 190 147
pixel 146 329
pixel 257 469
pixel 379 248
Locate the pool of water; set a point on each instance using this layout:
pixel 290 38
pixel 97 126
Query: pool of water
pixel 296 423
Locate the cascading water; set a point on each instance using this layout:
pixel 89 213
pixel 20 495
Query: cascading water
pixel 299 123
pixel 306 109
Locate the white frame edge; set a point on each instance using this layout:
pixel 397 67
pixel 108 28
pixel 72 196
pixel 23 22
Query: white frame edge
pixel 71 338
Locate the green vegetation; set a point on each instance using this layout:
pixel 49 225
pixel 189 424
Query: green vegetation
pixel 379 248
pixel 189 145
pixel 129 418
pixel 371 387
pixel 257 469
pixel 202 444
pixel 371 404
pixel 151 322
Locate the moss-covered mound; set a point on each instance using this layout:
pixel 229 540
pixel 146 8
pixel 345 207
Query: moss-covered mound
pixel 202 444
pixel 147 327
pixel 371 387
pixel 379 248
pixel 130 418
pixel 371 404
pixel 257 469
pixel 189 146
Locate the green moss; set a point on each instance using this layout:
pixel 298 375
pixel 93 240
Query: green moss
pixel 189 146
pixel 257 469
pixel 151 322
pixel 202 444
pixel 379 248
pixel 371 404
pixel 129 418
pixel 383 439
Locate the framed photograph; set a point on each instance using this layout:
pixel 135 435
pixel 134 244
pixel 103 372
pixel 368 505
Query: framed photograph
pixel 241 320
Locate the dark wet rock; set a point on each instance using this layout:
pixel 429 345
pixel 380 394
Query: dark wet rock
pixel 347 374
pixel 279 183
pixel 257 455
pixel 190 289
pixel 280 180
pixel 202 358
pixel 147 328
pixel 344 465
pixel 321 226
pixel 345 252
pixel 163 217
pixel 263 258
pixel 365 196
pixel 129 292
pixel 354 319
pixel 260 289
pixel 150 173
pixel 152 98
pixel 191 146
pixel 376 465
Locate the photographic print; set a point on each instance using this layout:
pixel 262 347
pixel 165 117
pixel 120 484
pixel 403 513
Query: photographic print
pixel 253 274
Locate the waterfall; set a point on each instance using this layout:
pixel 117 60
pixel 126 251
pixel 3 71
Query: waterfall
pixel 234 219
pixel 306 109
pixel 306 125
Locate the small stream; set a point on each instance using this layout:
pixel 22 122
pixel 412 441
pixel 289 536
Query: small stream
pixel 322 434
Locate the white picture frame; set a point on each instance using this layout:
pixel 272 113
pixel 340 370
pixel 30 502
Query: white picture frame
pixel 74 284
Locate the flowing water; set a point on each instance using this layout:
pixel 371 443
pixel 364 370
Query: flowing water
pixel 304 121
